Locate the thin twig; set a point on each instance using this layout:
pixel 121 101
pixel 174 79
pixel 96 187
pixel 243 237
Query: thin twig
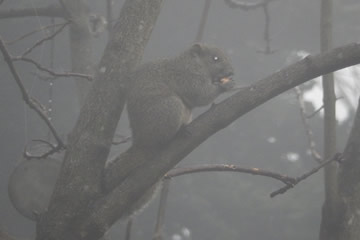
pixel 267 38
pixel 315 112
pixel 53 149
pixel 32 103
pixel 229 168
pixel 51 72
pixel 320 108
pixel 309 134
pixel 42 77
pixel 33 32
pixel 289 182
pixel 337 157
pixel 51 36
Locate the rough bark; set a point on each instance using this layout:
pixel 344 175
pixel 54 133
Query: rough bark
pixel 79 183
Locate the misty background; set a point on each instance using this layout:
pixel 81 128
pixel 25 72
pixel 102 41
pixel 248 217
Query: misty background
pixel 272 137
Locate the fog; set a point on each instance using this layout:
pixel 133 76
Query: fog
pixel 214 205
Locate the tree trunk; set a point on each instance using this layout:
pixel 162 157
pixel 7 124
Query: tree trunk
pixel 329 222
pixel 79 183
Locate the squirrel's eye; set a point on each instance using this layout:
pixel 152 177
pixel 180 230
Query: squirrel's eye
pixel 216 58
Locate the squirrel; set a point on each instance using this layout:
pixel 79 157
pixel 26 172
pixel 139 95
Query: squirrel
pixel 163 93
pixel 160 99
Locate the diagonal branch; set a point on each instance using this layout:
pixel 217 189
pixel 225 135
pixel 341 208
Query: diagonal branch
pixel 320 108
pixel 110 207
pixel 336 158
pixel 47 38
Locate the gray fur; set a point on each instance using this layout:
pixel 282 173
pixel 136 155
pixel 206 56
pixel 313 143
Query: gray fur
pixel 163 93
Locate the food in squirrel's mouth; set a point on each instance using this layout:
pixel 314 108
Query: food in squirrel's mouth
pixel 225 80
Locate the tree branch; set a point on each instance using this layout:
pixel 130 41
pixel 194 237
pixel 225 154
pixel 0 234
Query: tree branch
pixel 290 182
pixel 230 168
pixel 336 158
pixel 108 209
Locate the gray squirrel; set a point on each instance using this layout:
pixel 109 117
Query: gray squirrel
pixel 163 93
pixel 159 102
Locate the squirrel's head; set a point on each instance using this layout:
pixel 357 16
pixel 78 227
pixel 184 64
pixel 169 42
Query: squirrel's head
pixel 216 64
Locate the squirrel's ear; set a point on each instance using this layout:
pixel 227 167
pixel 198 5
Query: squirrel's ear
pixel 196 49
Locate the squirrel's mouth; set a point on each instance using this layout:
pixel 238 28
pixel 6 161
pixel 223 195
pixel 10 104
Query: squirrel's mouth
pixel 224 79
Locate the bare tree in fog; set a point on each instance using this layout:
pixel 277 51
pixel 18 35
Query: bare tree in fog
pixel 79 208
